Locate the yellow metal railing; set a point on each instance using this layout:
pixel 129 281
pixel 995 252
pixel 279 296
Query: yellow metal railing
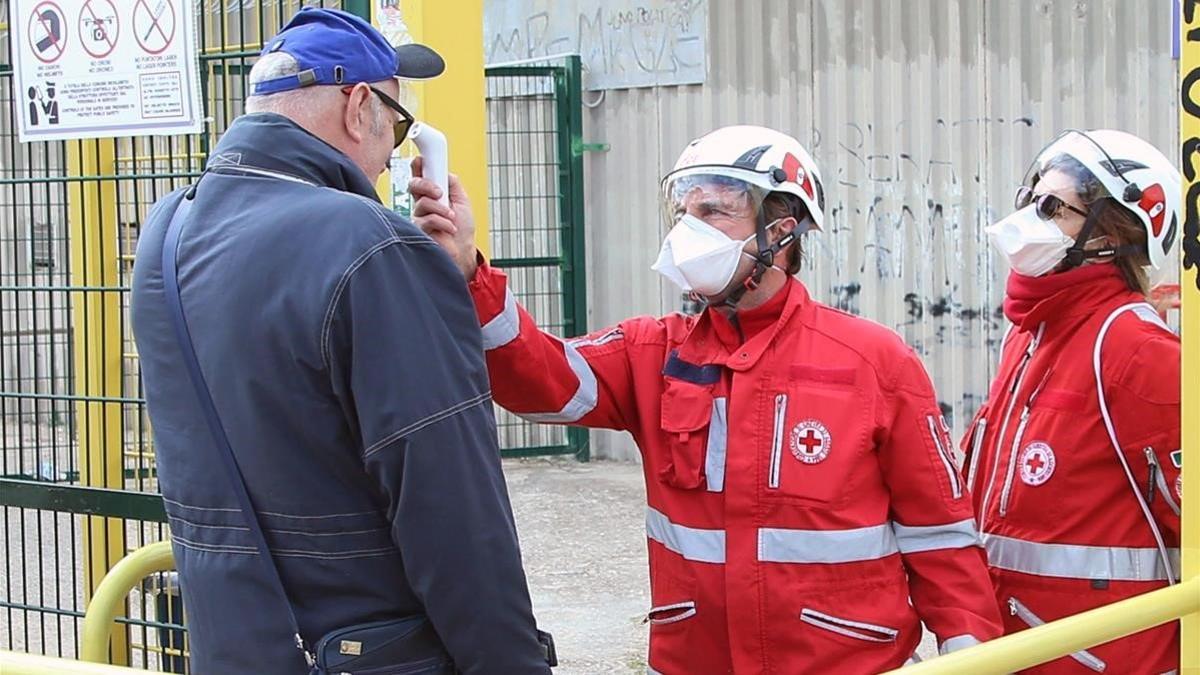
pixel 109 599
pixel 1066 636
pixel 17 663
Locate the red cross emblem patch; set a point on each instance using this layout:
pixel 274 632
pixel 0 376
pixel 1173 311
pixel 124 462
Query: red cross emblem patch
pixel 1037 463
pixel 810 441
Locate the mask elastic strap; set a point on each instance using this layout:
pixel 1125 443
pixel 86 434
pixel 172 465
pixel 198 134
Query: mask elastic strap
pixel 762 262
pixel 1076 255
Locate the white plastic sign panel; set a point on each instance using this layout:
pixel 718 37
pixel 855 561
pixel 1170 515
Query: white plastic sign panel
pixel 104 68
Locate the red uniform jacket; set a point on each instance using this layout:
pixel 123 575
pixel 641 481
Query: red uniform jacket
pixel 1064 515
pixel 801 488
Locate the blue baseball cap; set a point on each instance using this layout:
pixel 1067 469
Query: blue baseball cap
pixel 336 47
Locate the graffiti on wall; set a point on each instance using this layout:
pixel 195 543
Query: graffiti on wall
pixel 636 43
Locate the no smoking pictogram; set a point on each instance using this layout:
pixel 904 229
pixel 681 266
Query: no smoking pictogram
pixel 47 32
pixel 99 27
pixel 154 24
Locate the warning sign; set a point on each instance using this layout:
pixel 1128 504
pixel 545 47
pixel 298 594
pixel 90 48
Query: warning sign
pixel 105 68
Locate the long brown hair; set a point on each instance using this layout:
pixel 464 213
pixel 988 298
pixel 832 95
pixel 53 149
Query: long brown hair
pixel 1122 229
pixel 1113 220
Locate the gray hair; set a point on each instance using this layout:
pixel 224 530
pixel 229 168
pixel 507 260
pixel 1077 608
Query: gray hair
pixel 296 104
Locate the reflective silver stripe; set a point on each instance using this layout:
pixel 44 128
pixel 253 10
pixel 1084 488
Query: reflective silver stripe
pixel 956 643
pixel 1069 561
pixel 826 546
pixel 1146 313
pixel 912 539
pixel 505 326
pixel 714 454
pixel 690 542
pixel 585 398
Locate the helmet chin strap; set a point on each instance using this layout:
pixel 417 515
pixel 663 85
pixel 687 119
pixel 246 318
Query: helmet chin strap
pixel 1077 255
pixel 763 261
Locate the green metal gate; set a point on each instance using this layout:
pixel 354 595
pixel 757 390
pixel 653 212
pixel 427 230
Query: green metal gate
pixel 535 167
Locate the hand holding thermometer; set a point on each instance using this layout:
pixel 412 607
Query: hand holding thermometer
pixel 434 156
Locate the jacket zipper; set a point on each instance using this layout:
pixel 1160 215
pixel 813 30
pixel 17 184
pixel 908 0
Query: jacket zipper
pixel 868 632
pixel 1016 386
pixel 1016 446
pixel 976 444
pixel 947 461
pixel 777 441
pixel 1157 479
pixel 1032 620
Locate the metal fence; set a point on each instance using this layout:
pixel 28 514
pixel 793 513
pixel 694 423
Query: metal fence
pixel 535 170
pixel 78 484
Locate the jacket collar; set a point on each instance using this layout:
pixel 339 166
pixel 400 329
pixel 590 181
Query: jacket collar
pixel 703 346
pixel 1095 292
pixel 275 143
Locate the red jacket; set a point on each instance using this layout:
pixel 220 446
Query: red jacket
pixel 800 486
pixel 1061 511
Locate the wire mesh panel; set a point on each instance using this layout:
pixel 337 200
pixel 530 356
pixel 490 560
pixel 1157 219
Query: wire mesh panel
pixel 77 472
pixel 536 231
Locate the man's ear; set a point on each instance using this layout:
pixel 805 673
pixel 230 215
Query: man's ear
pixel 785 226
pixel 357 115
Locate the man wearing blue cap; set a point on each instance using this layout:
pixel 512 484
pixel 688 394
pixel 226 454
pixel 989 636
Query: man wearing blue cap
pixel 315 377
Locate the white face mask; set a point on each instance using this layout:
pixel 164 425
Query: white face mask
pixel 698 257
pixel 1032 246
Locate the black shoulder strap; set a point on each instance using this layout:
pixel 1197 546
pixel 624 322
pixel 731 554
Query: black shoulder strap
pixel 204 398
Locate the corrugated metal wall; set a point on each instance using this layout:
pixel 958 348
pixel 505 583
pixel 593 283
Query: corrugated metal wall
pixel 923 115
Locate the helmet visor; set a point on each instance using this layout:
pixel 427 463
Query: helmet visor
pixel 719 199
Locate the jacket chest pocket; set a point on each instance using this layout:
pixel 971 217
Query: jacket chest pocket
pixel 694 425
pixel 818 441
pixel 1048 429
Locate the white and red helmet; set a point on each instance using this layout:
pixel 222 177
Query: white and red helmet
pixel 1133 172
pixel 765 159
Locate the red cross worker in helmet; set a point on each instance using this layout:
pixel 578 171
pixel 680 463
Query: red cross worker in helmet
pixel 1073 462
pixel 804 511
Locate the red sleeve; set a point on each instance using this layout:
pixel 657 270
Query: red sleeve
pixel 932 514
pixel 584 381
pixel 1143 396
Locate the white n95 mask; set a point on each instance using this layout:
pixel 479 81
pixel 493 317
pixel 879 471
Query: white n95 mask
pixel 1032 246
pixel 698 257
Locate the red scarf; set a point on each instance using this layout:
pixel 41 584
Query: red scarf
pixel 1024 293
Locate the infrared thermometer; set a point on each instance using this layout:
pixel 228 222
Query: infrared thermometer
pixel 431 143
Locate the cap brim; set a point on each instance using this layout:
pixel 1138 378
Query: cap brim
pixel 418 62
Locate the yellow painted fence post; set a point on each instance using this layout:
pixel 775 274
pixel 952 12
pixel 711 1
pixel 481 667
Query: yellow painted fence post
pixel 96 330
pixel 455 101
pixel 1189 283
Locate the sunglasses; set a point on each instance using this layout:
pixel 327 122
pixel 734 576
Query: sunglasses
pixel 402 126
pixel 1048 205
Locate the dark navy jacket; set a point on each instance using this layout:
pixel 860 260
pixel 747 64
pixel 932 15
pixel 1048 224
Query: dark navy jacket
pixel 345 362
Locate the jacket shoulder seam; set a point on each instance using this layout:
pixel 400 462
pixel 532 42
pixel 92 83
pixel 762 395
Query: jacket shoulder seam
pixel 348 273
